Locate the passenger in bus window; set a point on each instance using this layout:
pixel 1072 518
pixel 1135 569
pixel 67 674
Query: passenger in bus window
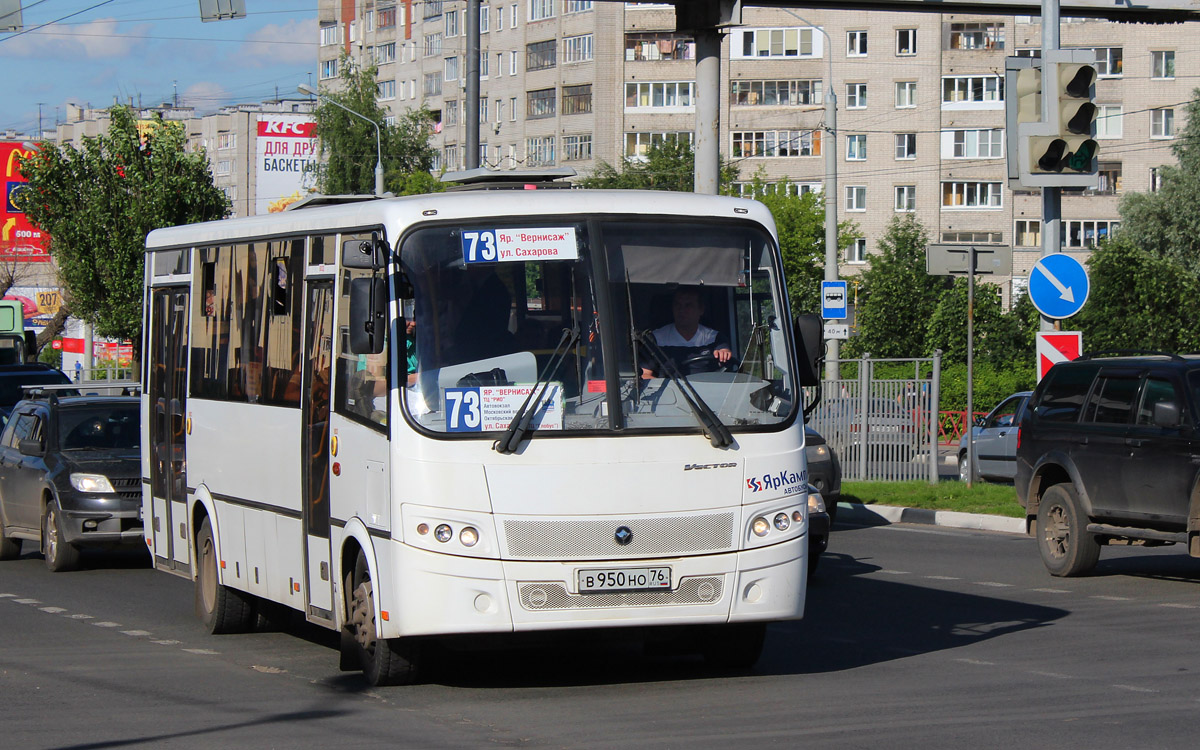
pixel 482 331
pixel 686 339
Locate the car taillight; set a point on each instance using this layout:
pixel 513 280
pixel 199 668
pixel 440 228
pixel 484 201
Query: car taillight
pixel 1018 437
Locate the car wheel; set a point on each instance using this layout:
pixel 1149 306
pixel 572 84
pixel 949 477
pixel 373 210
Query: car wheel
pixel 964 469
pixel 58 553
pixel 222 609
pixel 1066 546
pixel 734 646
pixel 384 661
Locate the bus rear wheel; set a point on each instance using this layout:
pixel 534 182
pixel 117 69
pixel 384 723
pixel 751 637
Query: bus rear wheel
pixel 222 609
pixel 384 661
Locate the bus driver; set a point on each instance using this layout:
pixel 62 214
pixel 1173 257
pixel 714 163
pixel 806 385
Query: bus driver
pixel 686 337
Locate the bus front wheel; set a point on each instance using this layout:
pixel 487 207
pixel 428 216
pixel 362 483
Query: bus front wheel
pixel 222 609
pixel 384 661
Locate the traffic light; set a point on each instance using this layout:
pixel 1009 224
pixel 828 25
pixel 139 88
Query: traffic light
pixel 1071 149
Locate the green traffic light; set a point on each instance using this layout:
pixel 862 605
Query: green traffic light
pixel 1080 160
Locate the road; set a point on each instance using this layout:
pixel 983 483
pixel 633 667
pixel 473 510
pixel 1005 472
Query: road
pixel 915 637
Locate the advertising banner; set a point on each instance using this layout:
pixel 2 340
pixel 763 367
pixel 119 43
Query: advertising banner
pixel 286 146
pixel 19 240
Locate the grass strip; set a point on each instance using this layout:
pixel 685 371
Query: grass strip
pixel 992 499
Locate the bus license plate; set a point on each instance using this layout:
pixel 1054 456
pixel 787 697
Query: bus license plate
pixel 624 579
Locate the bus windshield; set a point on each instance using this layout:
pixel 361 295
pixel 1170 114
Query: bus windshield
pixel 622 318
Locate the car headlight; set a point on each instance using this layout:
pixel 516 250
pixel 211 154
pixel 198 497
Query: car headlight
pixel 91 483
pixel 820 451
pixel 816 503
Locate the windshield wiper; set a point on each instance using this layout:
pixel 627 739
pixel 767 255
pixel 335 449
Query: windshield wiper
pixel 714 429
pixel 521 421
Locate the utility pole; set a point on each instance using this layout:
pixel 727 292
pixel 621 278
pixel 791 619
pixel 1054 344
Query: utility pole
pixel 471 97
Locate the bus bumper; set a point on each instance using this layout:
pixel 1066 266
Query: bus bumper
pixel 439 594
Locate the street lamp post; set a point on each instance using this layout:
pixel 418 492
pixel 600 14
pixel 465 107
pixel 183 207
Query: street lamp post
pixel 304 88
pixel 831 225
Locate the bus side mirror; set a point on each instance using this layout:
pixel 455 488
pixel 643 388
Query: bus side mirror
pixel 369 254
pixel 810 347
pixel 368 315
pixel 31 351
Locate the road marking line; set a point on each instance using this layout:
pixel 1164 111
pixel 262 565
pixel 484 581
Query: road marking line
pixel 53 610
pixel 895 572
pixel 106 624
pixel 80 617
pixel 7 596
pixel 1136 689
pixel 27 601
pixel 1175 605
pixel 167 643
pixel 943 578
pixel 202 651
pixel 993 584
pixel 977 662
pixel 1112 598
pixel 1052 591
pixel 136 633
pixel 1055 675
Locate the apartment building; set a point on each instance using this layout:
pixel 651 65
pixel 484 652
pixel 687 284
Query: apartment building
pixel 920 101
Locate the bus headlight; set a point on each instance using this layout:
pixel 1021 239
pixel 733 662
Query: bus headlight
pixel 760 527
pixel 782 522
pixel 443 533
pixel 468 536
pixel 91 483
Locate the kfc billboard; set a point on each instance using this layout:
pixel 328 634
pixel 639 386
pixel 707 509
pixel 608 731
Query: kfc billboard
pixel 286 151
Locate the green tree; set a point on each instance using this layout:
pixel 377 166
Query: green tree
pixel 998 335
pixel 98 202
pixel 1139 300
pixel 670 164
pixel 1166 223
pixel 897 297
pixel 347 143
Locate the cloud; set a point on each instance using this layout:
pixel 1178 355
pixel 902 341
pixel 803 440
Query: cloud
pixel 205 96
pixel 96 40
pixel 292 43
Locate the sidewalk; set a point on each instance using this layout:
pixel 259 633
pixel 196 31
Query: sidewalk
pixel 856 514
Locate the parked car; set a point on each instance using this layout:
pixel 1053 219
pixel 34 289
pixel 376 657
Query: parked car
pixel 891 428
pixel 995 441
pixel 824 469
pixel 70 475
pixel 818 528
pixel 1107 454
pixel 13 377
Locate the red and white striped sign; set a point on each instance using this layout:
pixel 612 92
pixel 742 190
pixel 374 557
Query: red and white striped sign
pixel 1057 346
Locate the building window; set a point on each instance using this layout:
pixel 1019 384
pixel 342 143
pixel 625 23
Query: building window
pixel 450 113
pixel 539 152
pixel 637 145
pixel 857 251
pixel 1108 121
pixel 856 96
pixel 973 238
pixel 329 35
pixel 983 92
pixel 1162 64
pixel 906 42
pixel 906 198
pixel 433 45
pixel 1084 234
pixel 433 9
pixel 540 10
pixel 977 35
pixel 387 17
pixel 483 110
pixel 1162 123
pixel 576 6
pixel 1110 178
pixel 577 48
pixel 776 143
pixel 512 109
pixel 540 103
pixel 484 65
pixel 431 84
pixel 577 100
pixel 775 93
pixel 987 143
pixel 385 90
pixel 658 94
pixel 485 19
pixel 226 141
pixel 329 69
pixel 767 43
pixel 971 195
pixel 385 53
pixel 906 145
pixel 512 63
pixel 856 43
pixel 906 94
pixel 513 15
pixel 451 69
pixel 1027 233
pixel 451 23
pixel 541 55
pixel 1109 62
pixel 1156 179
pixel 450 157
pixel 224 167
pixel 856 197
pixel 856 147
pixel 577 147
pixel 662 45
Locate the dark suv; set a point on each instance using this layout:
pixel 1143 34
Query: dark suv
pixel 70 475
pixel 14 377
pixel 1109 453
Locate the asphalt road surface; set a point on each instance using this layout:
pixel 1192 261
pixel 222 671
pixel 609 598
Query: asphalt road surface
pixel 915 637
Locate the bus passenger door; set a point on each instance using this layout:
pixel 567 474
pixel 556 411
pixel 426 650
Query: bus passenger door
pixel 315 446
pixel 168 407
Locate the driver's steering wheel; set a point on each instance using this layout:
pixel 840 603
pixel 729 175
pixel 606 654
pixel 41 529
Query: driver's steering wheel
pixel 704 362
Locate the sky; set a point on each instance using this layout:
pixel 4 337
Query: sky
pixel 90 52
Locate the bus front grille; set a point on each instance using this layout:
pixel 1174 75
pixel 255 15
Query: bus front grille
pixel 596 538
pixel 539 597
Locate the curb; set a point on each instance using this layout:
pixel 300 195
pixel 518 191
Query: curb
pixel 882 515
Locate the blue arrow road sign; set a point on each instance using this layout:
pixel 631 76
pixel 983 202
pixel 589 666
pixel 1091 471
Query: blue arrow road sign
pixel 1058 285
pixel 833 300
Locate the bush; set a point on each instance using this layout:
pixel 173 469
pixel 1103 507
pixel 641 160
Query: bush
pixel 992 384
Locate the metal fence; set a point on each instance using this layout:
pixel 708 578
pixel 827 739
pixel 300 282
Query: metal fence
pixel 883 428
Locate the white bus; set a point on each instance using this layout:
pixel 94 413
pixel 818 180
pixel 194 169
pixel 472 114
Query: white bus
pixel 448 414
